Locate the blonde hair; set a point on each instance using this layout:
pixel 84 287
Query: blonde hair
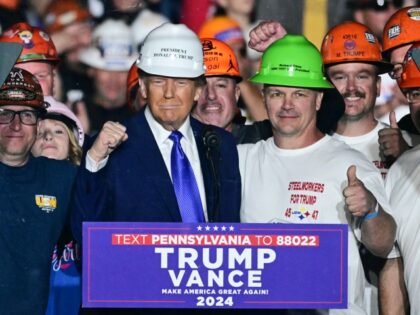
pixel 75 151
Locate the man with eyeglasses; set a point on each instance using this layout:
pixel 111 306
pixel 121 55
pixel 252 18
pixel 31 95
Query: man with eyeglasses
pixel 400 275
pixel 34 195
pixel 401 30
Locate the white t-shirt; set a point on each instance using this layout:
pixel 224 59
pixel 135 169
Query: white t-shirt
pixel 305 186
pixel 403 189
pixel 368 144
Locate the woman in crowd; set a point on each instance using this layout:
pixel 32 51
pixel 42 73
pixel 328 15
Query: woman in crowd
pixel 60 136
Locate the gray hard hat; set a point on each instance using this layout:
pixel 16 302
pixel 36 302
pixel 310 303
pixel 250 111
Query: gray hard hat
pixel 9 53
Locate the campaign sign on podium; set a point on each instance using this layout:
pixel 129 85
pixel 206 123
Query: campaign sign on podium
pixel 214 265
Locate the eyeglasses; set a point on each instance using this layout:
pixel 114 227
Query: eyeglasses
pixel 27 117
pixel 413 96
pixel 396 72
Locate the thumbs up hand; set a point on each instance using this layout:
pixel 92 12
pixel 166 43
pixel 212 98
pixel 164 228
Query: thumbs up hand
pixel 391 141
pixel 393 119
pixel 359 201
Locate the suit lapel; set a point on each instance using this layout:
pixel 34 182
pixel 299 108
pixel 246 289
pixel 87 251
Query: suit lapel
pixel 149 154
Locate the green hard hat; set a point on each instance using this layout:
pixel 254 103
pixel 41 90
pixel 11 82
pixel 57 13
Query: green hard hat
pixel 292 61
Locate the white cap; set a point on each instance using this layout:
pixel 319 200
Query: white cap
pixel 55 110
pixel 172 50
pixel 113 47
pixel 145 22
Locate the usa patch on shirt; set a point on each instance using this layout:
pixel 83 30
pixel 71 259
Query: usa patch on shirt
pixel 46 203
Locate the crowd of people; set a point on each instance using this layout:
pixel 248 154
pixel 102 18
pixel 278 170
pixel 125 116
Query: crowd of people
pixel 114 111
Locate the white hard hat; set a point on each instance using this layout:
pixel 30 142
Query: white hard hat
pixel 113 47
pixel 145 22
pixel 172 50
pixel 59 111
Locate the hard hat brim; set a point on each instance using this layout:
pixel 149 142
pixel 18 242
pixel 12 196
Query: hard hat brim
pixel 291 81
pixel 92 58
pixel 383 66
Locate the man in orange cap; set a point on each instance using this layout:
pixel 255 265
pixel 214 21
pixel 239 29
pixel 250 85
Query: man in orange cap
pixel 217 104
pixel 400 274
pixel 229 31
pixel 399 33
pixel 353 62
pixel 39 55
pixel 70 27
pixel 134 99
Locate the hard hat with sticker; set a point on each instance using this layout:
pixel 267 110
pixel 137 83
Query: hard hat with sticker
pixel 292 61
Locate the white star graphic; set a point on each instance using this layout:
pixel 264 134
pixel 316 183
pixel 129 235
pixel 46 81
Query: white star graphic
pixel 231 228
pixel 216 228
pixel 199 228
pixel 223 228
pixel 208 228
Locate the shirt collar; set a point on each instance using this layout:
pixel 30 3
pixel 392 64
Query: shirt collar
pixel 161 134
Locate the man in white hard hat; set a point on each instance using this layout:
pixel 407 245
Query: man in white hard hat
pixel 140 179
pixel 108 59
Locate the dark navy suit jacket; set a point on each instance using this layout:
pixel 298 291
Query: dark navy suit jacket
pixel 135 184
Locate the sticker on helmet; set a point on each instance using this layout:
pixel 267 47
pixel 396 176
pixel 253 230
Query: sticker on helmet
pixel 44 36
pixel 414 14
pixel 208 45
pixel 349 44
pixel 370 38
pixel 290 68
pixel 16 95
pixel 67 18
pixel 26 37
pixel 394 31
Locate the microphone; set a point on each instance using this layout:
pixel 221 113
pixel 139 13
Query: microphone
pixel 211 139
pixel 212 143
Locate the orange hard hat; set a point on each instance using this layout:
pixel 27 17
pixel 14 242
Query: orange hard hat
pixel 10 4
pixel 402 28
pixel 222 28
pixel 22 88
pixel 37 44
pixel 410 76
pixel 132 85
pixel 352 42
pixel 219 59
pixel 62 13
